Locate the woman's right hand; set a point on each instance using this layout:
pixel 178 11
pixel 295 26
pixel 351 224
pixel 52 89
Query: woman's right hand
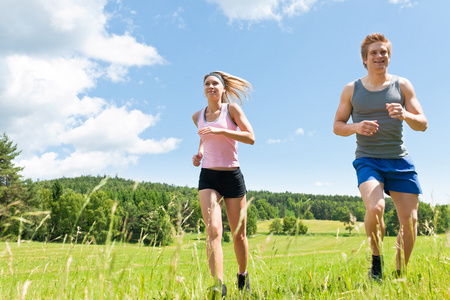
pixel 196 159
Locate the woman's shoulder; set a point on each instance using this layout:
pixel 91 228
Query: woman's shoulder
pixel 195 116
pixel 234 108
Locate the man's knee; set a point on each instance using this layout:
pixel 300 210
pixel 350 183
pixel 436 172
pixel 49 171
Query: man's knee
pixel 408 219
pixel 375 212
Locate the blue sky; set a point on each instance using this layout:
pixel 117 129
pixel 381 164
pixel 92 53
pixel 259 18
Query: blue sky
pixel 94 87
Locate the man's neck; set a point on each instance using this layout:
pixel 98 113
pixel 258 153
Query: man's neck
pixel 376 81
pixel 378 78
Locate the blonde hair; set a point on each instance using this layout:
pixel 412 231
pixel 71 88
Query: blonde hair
pixel 236 88
pixel 373 38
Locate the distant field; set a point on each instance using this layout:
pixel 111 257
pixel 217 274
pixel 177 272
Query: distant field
pixel 319 265
pixel 319 227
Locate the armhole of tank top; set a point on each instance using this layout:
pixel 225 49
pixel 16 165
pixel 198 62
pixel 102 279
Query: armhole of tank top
pixel 354 91
pixel 229 116
pixel 202 111
pixel 396 80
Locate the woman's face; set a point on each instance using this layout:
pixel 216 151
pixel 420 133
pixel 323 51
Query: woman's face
pixel 213 88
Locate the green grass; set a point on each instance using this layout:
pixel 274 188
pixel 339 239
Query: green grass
pixel 319 227
pixel 319 265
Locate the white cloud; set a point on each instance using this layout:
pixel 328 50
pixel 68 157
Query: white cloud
pixel 117 73
pixel 122 50
pixel 52 55
pixel 320 183
pixel 259 10
pixel 177 18
pixel 118 129
pixel 252 10
pixel 49 165
pixel 154 147
pixel 63 27
pixel 273 141
pixel 300 131
pixel 295 8
pixel 39 98
pixel 403 3
pixel 67 16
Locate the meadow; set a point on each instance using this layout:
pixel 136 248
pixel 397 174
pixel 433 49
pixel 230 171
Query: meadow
pixel 326 263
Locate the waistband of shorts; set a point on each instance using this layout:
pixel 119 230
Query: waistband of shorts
pixel 238 170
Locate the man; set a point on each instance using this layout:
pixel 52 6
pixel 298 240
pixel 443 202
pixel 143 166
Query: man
pixel 378 104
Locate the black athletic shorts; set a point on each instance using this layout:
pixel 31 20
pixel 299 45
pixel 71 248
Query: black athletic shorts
pixel 229 184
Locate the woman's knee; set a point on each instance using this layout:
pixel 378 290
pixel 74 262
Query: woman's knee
pixel 240 237
pixel 215 231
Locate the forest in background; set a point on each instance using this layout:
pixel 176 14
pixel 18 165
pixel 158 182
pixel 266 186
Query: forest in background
pixel 86 208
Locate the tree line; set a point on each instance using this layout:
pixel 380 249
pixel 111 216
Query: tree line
pixel 93 208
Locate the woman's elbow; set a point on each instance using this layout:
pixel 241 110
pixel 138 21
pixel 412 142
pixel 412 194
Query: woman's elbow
pixel 251 139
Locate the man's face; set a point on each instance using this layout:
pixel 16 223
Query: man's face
pixel 377 56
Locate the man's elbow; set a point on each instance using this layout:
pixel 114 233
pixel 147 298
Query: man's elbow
pixel 336 130
pixel 424 127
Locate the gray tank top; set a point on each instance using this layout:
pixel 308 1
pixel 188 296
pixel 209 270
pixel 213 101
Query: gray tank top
pixel 387 142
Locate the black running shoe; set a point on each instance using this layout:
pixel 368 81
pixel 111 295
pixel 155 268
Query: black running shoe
pixel 397 274
pixel 218 291
pixel 375 274
pixel 376 271
pixel 224 290
pixel 244 282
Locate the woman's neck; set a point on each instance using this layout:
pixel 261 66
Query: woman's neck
pixel 214 105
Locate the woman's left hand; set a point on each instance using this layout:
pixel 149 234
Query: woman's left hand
pixel 206 130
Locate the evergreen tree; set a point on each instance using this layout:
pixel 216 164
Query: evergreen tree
pixel 340 214
pixel 16 200
pixel 12 188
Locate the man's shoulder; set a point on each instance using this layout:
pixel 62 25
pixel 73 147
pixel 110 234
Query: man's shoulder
pixel 352 83
pixel 404 83
pixel 347 92
pixel 349 87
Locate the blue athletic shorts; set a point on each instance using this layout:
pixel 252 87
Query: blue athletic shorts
pixel 229 184
pixel 397 175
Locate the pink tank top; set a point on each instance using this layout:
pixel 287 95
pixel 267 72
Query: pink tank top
pixel 219 151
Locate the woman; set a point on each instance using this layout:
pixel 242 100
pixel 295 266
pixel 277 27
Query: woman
pixel 220 176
